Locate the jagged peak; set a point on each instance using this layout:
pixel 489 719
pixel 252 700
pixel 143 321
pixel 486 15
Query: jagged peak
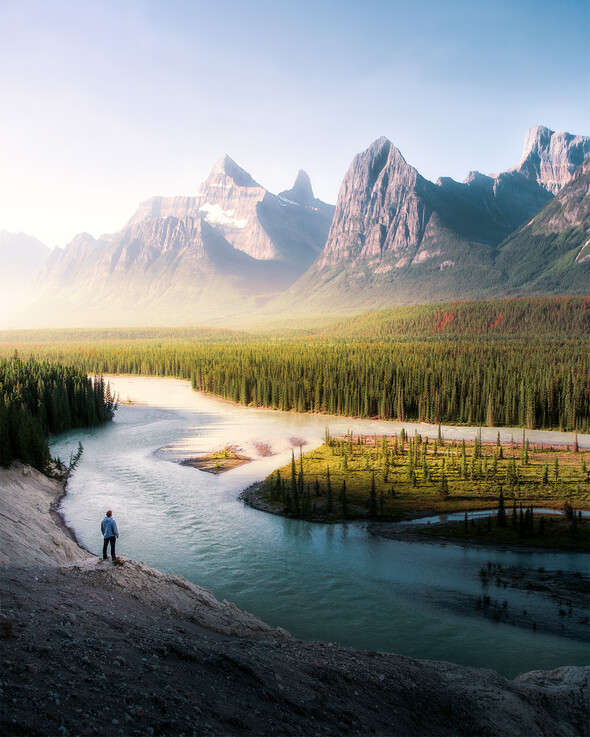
pixel 476 177
pixel 537 138
pixel 383 150
pixel 226 166
pixel 301 192
pixel 550 158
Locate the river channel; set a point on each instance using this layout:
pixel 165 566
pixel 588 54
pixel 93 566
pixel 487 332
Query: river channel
pixel 336 583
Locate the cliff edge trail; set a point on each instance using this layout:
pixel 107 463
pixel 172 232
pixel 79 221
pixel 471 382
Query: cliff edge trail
pixel 88 648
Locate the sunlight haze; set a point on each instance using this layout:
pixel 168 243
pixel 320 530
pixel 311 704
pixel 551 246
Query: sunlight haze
pixel 107 104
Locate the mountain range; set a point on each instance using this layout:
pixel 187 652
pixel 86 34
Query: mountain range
pixel 235 251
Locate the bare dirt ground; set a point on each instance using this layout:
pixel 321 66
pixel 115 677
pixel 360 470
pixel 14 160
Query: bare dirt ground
pixel 92 648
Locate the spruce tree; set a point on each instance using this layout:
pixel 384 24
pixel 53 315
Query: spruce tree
pixel 373 498
pixel 296 507
pixel 329 498
pixel 343 499
pixel 501 520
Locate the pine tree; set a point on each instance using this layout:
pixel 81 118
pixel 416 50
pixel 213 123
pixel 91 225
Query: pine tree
pixel 501 520
pixel 343 499
pixel 373 498
pixel 316 487
pixel 514 520
pixel 444 486
pixel 294 487
pixel 329 498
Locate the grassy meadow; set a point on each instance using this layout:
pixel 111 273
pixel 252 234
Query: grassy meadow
pixel 393 477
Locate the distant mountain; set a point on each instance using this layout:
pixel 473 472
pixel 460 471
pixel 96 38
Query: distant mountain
pixel 551 254
pixel 397 238
pixel 21 257
pixel 185 260
pixel 551 158
pixel 292 229
pixel 235 252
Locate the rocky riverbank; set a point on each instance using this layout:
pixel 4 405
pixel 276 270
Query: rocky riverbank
pixel 89 648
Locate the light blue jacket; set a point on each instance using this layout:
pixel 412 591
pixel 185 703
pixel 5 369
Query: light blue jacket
pixel 108 527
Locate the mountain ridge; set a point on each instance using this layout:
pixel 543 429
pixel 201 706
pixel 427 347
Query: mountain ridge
pixel 394 237
pixel 398 238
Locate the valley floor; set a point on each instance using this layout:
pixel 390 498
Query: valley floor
pixel 92 648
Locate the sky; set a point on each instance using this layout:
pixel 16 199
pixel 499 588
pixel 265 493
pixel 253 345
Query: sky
pixel 104 103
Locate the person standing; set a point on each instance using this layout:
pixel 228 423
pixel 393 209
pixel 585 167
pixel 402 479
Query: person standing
pixel 109 530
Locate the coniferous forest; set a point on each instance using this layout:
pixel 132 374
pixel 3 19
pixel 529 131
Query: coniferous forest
pixel 522 363
pixel 38 399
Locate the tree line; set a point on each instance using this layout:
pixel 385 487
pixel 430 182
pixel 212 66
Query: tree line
pixel 538 383
pixel 39 398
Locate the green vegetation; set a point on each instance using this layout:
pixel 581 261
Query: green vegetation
pixel 569 531
pixel 560 317
pixel 506 363
pixel 38 398
pixel 388 478
pixel 528 318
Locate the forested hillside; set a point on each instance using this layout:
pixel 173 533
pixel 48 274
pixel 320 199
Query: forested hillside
pixel 552 317
pixel 531 317
pixel 39 398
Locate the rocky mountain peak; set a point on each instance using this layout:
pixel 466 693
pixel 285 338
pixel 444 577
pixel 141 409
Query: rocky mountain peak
pixel 377 212
pixel 226 168
pixel 301 192
pixel 550 158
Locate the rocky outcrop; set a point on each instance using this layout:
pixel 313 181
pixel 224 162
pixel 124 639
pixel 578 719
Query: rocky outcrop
pixel 551 158
pixel 106 649
pixel 30 533
pixel 380 211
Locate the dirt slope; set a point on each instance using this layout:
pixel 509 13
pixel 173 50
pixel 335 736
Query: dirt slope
pixel 89 648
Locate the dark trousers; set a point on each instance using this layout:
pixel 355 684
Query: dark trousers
pixel 112 541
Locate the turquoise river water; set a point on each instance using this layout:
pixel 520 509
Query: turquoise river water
pixel 336 582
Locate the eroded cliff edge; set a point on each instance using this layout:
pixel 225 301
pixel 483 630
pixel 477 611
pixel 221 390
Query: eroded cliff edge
pixel 91 648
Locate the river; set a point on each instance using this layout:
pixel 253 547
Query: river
pixel 320 582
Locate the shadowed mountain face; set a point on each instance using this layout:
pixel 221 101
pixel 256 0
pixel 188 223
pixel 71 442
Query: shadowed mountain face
pixel 551 254
pixel 185 260
pixel 397 238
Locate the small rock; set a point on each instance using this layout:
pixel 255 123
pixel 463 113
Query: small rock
pixel 31 668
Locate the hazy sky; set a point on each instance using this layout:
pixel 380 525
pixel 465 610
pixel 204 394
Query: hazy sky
pixel 107 102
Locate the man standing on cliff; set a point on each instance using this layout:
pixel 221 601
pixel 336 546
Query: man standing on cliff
pixel 109 530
